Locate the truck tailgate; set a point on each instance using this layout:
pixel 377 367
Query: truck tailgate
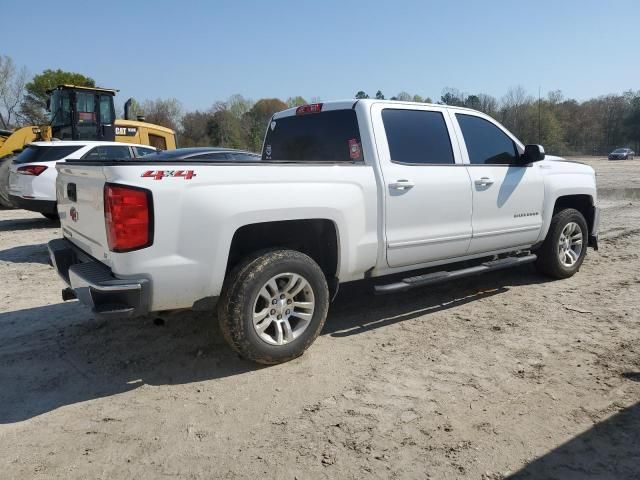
pixel 80 194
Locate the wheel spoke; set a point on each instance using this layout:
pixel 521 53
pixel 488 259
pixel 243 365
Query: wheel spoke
pixel 302 315
pixel 573 256
pixel 273 286
pixel 261 327
pixel 259 316
pixel 288 333
pixel 279 333
pixel 298 288
pixel 293 281
pixel 303 305
pixel 264 293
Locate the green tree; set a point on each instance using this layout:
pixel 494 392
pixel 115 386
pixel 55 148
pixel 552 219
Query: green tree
pixel 379 95
pixel 255 120
pixel 166 113
pixel 34 104
pixel 361 95
pixel 296 101
pixel 12 82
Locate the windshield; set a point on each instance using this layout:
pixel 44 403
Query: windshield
pixel 620 150
pixel 331 136
pixel 37 153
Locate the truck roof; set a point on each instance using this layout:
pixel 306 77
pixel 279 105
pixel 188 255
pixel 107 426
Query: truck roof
pixel 348 104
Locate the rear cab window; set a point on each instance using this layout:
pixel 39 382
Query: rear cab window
pixel 40 153
pixel 328 136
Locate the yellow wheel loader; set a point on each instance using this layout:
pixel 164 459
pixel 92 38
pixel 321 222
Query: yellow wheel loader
pixel 86 113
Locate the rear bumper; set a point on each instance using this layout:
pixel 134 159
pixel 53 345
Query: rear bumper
pixel 94 284
pixel 41 206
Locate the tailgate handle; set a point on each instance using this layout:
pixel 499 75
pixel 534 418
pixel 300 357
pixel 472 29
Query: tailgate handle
pixel 71 192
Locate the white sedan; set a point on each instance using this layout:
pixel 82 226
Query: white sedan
pixel 32 174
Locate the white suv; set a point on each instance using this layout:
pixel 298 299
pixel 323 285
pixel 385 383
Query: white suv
pixel 32 174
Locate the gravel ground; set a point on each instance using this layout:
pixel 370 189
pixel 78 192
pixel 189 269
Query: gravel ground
pixel 506 375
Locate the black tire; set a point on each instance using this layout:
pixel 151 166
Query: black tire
pixel 240 294
pixel 548 261
pixel 51 216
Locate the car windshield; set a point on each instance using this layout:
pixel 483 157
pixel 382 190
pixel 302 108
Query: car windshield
pixel 620 150
pixel 40 153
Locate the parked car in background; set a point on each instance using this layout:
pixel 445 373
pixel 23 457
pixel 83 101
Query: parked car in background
pixel 32 174
pixel 622 154
pixel 207 153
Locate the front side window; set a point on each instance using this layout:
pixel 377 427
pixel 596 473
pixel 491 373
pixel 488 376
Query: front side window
pixel 486 143
pixel 417 137
pixel 108 152
pixel 331 136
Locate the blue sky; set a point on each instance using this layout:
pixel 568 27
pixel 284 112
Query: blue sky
pixel 203 51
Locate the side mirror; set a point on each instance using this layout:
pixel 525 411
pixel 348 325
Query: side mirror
pixel 532 153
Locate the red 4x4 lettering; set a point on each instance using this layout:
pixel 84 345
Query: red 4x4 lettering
pixel 160 174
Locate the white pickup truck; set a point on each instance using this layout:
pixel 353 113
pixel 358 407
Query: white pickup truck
pixel 344 191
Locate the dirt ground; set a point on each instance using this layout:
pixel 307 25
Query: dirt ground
pixel 506 375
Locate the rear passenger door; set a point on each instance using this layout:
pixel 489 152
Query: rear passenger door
pixel 507 196
pixel 427 189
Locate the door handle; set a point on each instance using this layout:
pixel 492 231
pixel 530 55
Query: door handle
pixel 402 184
pixel 484 181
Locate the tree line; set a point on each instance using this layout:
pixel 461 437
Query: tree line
pixel 564 126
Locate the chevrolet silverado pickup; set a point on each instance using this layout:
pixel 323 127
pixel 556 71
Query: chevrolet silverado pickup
pixel 344 191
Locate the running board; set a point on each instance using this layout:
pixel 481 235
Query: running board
pixel 439 277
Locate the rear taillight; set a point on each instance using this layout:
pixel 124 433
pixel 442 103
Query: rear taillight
pixel 311 108
pixel 33 170
pixel 128 216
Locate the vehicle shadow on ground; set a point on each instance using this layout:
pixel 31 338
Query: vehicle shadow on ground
pixel 375 311
pixel 36 253
pixel 607 450
pixel 27 224
pixel 57 355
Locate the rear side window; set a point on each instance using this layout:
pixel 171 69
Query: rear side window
pixel 219 156
pixel 34 153
pixel 245 157
pixel 417 137
pixel 331 136
pixel 486 143
pixel 107 152
pixel 141 151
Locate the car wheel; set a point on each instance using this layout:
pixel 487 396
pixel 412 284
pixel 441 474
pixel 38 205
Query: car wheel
pixel 273 306
pixel 565 245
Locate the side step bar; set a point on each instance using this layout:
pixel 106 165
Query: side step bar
pixel 439 277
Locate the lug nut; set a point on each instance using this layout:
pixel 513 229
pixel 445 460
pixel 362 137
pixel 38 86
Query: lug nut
pixel 279 317
pixel 282 296
pixel 273 311
pixel 274 301
pixel 288 312
pixel 289 302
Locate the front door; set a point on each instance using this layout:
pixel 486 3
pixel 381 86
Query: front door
pixel 427 189
pixel 507 196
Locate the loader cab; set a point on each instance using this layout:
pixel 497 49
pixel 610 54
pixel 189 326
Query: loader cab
pixel 82 113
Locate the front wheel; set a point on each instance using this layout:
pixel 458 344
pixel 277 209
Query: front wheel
pixel 273 306
pixel 565 245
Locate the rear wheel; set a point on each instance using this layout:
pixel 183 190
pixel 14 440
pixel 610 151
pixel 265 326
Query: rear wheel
pixel 273 306
pixel 565 246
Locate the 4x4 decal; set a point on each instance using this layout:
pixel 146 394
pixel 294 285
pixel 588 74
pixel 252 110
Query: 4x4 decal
pixel 160 174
